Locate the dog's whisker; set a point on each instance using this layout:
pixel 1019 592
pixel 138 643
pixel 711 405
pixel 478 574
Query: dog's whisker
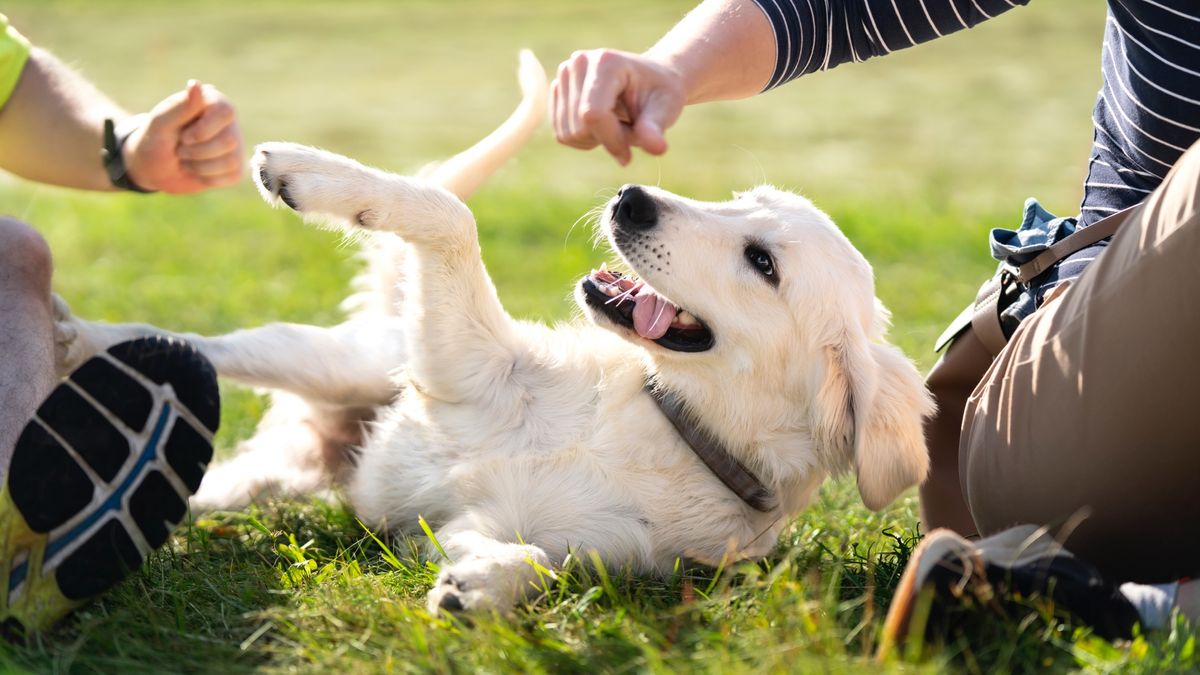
pixel 592 215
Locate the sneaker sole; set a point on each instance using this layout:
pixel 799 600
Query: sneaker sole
pixel 101 476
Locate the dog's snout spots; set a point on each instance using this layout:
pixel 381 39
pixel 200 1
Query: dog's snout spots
pixel 635 208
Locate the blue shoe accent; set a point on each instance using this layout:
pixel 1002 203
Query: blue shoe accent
pixel 112 503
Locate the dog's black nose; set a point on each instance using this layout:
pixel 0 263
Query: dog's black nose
pixel 635 208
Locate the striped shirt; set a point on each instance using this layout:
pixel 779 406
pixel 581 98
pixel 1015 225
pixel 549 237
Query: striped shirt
pixel 1147 112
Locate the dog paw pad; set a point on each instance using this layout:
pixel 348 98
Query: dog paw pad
pixel 286 196
pixel 450 602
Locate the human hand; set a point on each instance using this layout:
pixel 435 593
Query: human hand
pixel 615 99
pixel 189 142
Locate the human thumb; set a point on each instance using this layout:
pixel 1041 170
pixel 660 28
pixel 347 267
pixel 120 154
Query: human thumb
pixel 179 109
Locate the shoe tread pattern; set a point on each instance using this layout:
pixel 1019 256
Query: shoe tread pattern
pixel 55 495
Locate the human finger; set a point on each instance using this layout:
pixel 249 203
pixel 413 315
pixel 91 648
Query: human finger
pixel 564 130
pixel 226 142
pixel 218 114
pixel 178 109
pixel 577 70
pixel 598 105
pixel 658 113
pixel 214 167
pixel 223 179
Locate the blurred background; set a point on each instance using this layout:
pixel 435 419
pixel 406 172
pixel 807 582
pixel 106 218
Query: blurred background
pixel 915 155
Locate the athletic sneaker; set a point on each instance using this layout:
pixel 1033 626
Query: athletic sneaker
pixel 101 475
pixel 996 574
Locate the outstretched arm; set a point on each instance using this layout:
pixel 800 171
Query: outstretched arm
pixel 51 131
pixel 727 49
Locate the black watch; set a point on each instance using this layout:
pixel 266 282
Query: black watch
pixel 114 161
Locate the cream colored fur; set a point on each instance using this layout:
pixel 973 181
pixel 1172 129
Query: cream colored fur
pixel 520 442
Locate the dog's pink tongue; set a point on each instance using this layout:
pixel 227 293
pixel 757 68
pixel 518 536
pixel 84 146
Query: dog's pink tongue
pixel 652 315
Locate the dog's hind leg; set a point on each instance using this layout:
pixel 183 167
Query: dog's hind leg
pixel 297 450
pixel 461 343
pixel 345 366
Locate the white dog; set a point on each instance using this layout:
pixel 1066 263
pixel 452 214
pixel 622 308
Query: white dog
pixel 693 416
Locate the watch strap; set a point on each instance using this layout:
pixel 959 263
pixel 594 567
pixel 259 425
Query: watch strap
pixel 111 153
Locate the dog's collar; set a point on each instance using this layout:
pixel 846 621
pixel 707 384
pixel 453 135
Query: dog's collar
pixel 724 466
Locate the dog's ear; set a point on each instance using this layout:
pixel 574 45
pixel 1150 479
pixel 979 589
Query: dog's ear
pixel 869 410
pixel 890 453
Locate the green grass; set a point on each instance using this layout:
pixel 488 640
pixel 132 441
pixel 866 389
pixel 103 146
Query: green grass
pixel 916 156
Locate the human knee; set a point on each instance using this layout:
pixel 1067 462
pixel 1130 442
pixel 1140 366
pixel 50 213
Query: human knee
pixel 25 258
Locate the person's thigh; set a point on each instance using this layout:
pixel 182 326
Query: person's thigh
pixel 1089 418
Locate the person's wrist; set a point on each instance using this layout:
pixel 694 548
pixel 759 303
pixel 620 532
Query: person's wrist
pixel 118 158
pixel 674 71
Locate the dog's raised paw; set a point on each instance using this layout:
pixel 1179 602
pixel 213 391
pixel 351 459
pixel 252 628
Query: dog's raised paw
pixel 317 183
pixel 265 181
pixel 270 184
pixel 286 197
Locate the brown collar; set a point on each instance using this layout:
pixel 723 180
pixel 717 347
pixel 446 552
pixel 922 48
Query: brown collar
pixel 724 466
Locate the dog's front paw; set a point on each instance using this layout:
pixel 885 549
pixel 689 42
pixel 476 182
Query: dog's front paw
pixel 489 583
pixel 315 182
pixel 451 594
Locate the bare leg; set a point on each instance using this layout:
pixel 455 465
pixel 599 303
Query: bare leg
pixel 26 330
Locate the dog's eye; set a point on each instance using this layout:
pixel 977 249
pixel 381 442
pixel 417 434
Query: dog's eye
pixel 761 260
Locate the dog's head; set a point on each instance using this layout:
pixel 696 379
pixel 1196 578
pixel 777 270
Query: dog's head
pixel 763 315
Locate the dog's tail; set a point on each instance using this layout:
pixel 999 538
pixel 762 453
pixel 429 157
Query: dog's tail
pixel 379 288
pixel 463 173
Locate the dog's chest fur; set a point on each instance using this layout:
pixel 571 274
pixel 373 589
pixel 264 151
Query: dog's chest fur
pixel 565 449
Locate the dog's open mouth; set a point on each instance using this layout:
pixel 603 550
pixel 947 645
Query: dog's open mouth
pixel 627 302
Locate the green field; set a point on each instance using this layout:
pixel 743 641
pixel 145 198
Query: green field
pixel 916 156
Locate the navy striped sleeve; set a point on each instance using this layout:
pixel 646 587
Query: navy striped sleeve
pixel 812 35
